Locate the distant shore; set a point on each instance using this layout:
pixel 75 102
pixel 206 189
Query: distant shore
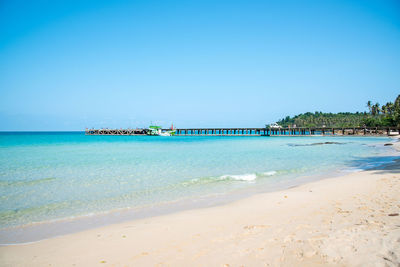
pixel 348 220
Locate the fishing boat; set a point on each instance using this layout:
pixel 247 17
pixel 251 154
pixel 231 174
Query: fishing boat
pixel 155 130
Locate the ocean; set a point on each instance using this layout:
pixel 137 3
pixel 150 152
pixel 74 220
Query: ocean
pixel 55 176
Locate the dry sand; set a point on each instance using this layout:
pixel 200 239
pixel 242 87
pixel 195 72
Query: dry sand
pixel 345 221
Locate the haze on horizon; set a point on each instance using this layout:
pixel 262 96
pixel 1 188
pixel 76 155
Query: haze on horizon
pixel 67 65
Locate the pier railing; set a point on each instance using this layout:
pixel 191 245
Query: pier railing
pixel 115 131
pixel 300 131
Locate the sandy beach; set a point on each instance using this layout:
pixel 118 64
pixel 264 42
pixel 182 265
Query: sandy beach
pixel 199 133
pixel 351 220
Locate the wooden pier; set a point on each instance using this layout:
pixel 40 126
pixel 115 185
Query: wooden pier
pixel 115 131
pixel 376 131
pixel 285 131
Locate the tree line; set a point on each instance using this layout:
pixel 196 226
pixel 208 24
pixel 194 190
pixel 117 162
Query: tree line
pixel 387 115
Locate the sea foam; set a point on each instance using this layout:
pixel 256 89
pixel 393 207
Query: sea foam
pixel 270 173
pixel 242 177
pixel 247 177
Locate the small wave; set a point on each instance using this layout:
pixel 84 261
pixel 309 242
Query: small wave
pixel 243 177
pixel 248 177
pixel 270 173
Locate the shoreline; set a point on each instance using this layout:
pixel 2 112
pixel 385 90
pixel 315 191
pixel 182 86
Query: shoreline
pixel 338 221
pixel 39 231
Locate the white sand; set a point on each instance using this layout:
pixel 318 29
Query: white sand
pixel 341 221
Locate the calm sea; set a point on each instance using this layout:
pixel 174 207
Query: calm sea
pixel 53 176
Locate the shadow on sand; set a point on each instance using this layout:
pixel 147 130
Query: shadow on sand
pixel 382 164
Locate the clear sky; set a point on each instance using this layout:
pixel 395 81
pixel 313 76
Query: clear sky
pixel 67 65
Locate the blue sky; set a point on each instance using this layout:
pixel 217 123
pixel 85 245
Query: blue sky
pixel 67 65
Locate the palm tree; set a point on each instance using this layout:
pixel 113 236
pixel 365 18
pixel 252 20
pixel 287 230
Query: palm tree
pixel 397 103
pixel 375 109
pixel 384 110
pixel 390 108
pixel 396 111
pixel 369 105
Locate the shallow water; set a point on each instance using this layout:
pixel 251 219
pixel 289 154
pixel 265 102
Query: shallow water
pixel 51 176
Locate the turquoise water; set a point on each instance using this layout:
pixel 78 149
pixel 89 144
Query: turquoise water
pixel 51 176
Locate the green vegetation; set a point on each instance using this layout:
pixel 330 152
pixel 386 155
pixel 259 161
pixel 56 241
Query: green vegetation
pixel 378 116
